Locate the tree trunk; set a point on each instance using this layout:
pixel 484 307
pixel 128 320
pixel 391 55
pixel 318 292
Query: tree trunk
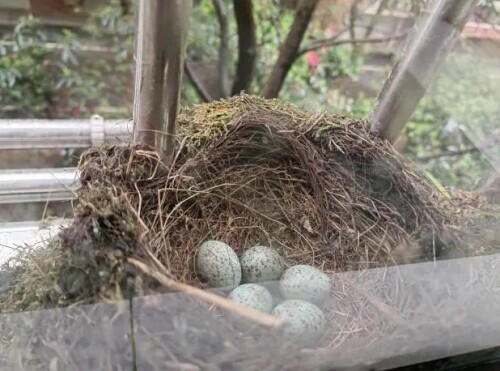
pixel 247 49
pixel 290 47
pixel 221 11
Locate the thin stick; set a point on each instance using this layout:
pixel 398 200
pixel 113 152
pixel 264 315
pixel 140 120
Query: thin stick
pixel 249 313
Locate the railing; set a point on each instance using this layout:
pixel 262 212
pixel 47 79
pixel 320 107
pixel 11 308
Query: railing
pixel 31 134
pixel 35 185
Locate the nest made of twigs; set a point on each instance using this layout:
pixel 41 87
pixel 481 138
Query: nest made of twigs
pixel 319 188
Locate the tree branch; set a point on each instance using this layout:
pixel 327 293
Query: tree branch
pixel 448 154
pixel 247 50
pixel 325 43
pixel 221 11
pixel 383 4
pixel 176 39
pixel 353 14
pixel 491 143
pixel 197 84
pixel 290 48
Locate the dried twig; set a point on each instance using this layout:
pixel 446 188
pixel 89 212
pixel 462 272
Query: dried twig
pixel 333 41
pixel 249 313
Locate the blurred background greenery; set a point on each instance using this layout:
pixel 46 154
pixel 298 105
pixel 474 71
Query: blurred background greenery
pixel 72 70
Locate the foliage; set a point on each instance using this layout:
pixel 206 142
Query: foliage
pixel 460 111
pixel 27 70
pixel 63 82
pixel 317 87
pixel 52 74
pixel 49 74
pixel 203 37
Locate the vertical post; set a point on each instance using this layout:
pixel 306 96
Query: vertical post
pixel 411 76
pixel 160 48
pixel 178 12
pixel 150 56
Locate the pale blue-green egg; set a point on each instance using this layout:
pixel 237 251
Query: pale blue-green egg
pixel 218 264
pixel 253 296
pixel 305 323
pixel 261 264
pixel 306 283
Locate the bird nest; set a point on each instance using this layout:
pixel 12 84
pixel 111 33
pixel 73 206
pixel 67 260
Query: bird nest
pixel 319 188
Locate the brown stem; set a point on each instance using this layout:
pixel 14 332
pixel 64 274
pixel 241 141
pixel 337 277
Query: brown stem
pixel 290 48
pixel 150 73
pixel 179 11
pixel 325 43
pixel 196 82
pixel 247 50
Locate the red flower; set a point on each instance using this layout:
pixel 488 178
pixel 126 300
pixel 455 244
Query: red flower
pixel 313 59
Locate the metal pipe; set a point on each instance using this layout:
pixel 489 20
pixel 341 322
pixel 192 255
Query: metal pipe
pixel 32 134
pixel 38 185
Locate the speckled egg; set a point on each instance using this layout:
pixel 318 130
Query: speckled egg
pixel 261 264
pixel 306 283
pixel 218 264
pixel 305 323
pixel 253 296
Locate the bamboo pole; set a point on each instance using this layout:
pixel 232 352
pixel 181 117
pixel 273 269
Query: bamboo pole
pixel 411 76
pixel 160 48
